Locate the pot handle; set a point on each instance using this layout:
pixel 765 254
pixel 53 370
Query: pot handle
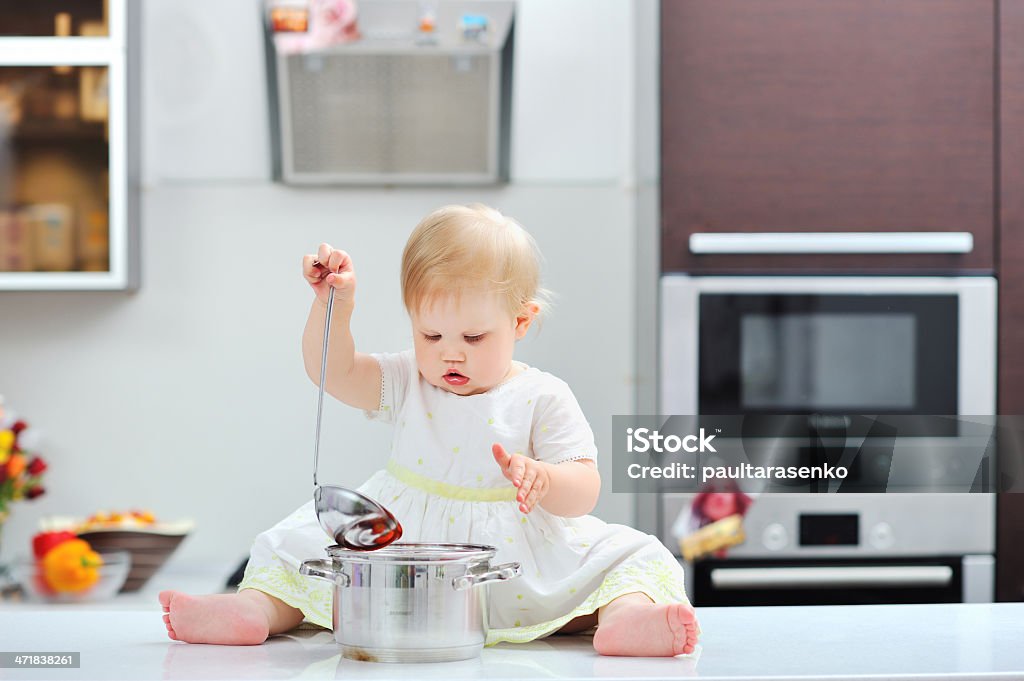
pixel 498 573
pixel 323 569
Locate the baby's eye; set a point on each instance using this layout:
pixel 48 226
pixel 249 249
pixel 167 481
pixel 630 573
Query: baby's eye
pixel 474 339
pixel 431 339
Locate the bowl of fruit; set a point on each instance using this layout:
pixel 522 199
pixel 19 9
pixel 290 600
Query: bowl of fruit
pixel 149 541
pixel 67 569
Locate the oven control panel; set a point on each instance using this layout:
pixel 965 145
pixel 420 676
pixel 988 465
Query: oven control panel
pixel 830 525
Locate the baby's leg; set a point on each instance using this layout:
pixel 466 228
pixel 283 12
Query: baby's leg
pixel 578 624
pixel 634 625
pixel 245 618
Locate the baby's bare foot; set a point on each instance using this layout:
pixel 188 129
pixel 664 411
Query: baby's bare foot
pixel 647 630
pixel 227 619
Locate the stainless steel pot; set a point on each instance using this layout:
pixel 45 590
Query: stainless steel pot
pixel 411 602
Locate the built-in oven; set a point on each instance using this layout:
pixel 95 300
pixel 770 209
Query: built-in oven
pixel 834 346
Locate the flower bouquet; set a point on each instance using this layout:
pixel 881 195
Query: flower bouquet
pixel 21 471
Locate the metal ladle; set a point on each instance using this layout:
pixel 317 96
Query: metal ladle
pixel 351 519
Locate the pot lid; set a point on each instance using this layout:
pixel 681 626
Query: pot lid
pixel 409 552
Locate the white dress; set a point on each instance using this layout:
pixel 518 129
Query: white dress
pixel 443 485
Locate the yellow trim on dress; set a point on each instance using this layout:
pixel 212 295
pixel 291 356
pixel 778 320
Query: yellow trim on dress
pixel 443 489
pixel 284 583
pixel 656 582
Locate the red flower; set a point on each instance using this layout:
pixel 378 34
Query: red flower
pixel 34 492
pixel 36 466
pixel 18 426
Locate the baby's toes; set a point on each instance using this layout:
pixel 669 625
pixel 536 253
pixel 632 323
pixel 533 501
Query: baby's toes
pixel 683 623
pixel 171 634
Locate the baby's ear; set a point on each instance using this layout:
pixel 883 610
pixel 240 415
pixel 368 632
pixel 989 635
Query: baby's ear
pixel 525 318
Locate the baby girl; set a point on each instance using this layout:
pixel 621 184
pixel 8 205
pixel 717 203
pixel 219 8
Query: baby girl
pixel 486 450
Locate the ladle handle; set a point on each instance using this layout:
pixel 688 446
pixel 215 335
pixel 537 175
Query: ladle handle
pixel 323 376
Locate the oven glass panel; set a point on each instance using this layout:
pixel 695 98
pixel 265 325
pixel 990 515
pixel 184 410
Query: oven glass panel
pixel 827 361
pixel 767 353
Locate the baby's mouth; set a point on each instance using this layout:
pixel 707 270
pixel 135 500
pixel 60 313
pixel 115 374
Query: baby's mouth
pixel 453 377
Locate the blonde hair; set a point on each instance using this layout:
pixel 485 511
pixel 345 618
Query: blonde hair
pixel 458 247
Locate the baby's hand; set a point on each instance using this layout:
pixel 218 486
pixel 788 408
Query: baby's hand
pixel 330 267
pixel 529 475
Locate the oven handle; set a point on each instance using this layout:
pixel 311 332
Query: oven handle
pixel 831 242
pixel 831 577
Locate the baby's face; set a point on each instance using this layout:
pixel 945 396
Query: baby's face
pixel 465 346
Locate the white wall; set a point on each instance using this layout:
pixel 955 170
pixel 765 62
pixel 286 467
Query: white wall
pixel 188 397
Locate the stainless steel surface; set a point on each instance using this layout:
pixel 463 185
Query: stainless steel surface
pixel 832 242
pixel 323 569
pixel 388 109
pixel 348 517
pixel 354 520
pixel 904 526
pixel 896 525
pixel 646 196
pixel 976 350
pixel 502 573
pixel 323 377
pixel 417 552
pixel 979 578
pixel 853 577
pixel 890 526
pixel 411 602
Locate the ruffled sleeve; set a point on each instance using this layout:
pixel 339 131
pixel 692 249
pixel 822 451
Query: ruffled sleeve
pixel 560 431
pixel 397 370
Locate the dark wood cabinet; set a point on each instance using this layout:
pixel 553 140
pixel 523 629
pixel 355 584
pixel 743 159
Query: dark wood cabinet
pixel 1010 514
pixel 873 116
pixel 838 116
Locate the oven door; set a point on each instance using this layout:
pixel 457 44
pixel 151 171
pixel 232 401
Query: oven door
pixel 818 549
pixel 803 353
pixel 828 345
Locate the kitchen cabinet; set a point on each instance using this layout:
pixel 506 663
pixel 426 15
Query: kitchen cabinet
pixel 1010 507
pixel 68 145
pixel 802 117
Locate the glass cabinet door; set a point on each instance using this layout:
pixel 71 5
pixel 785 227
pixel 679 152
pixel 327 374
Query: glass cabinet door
pixel 69 157
pixel 54 18
pixel 54 169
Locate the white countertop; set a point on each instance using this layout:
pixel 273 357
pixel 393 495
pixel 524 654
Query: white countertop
pixel 836 642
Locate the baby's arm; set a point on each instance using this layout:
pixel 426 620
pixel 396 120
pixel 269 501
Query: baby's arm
pixel 567 489
pixel 352 377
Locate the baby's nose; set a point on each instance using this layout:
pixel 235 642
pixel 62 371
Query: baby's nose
pixel 453 355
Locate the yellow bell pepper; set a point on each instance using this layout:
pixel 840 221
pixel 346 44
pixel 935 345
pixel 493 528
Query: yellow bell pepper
pixel 71 566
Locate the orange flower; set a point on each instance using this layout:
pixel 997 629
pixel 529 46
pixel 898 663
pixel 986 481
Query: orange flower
pixel 16 465
pixel 21 471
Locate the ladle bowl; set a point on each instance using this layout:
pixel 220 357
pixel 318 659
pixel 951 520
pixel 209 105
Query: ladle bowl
pixel 354 520
pixel 351 519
